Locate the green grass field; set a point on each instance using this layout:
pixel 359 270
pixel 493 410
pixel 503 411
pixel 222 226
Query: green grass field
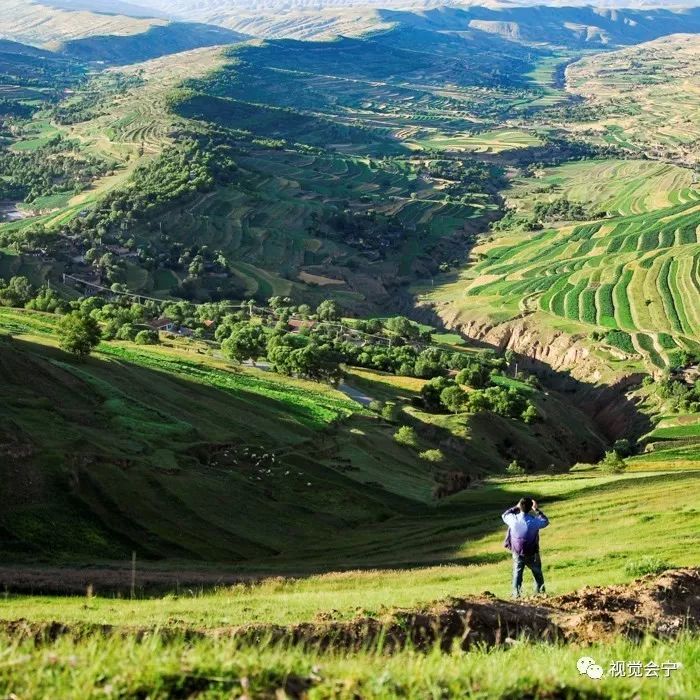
pixel 221 668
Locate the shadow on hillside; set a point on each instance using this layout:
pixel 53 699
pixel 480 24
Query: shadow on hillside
pixel 615 414
pixel 85 487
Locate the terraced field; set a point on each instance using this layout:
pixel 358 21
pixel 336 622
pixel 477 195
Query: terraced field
pixel 620 187
pixel 644 98
pixel 266 222
pixel 632 277
pixel 138 121
pixel 495 141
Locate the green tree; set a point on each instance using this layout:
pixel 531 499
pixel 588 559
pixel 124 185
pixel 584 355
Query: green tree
pixel 246 342
pixel 78 334
pixel 612 463
pixel 328 310
pixel 401 326
pixel 454 399
pixel 146 338
pixel 17 292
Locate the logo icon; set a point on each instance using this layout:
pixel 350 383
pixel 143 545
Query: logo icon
pixel 587 665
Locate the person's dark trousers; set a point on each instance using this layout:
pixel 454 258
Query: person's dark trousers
pixel 534 563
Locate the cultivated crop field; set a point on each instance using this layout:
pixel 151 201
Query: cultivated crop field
pixel 644 98
pixel 619 187
pixel 633 274
pixel 495 141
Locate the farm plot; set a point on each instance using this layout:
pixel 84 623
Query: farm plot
pixel 636 273
pixel 494 141
pixel 619 187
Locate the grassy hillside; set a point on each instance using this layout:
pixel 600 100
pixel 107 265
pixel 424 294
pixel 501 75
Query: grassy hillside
pixel 332 193
pixel 143 441
pixel 626 519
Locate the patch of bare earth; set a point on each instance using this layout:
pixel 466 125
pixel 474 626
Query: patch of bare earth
pixel 662 606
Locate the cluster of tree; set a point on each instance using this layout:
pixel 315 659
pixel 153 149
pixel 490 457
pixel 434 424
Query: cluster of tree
pixel 472 390
pixel 14 109
pixel 56 167
pixel 683 396
pixel 514 219
pixel 99 90
pixel 194 165
pixel 467 174
pixel 563 209
pixel 365 229
pixel 17 292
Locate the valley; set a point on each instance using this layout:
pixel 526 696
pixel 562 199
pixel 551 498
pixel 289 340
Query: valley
pixel 296 300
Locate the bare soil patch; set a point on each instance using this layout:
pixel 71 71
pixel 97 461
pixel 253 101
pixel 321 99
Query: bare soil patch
pixel 659 605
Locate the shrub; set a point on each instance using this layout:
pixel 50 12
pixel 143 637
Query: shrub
pixel 146 338
pixel 433 456
pixel 612 463
pixel 646 565
pixel 390 412
pixel 406 436
pixel 376 406
pixel 514 469
pixel 530 414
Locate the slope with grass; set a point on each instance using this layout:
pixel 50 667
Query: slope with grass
pixel 143 441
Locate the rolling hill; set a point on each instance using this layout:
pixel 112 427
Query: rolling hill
pixel 571 24
pixel 264 482
pixel 144 441
pixel 632 98
pixel 104 38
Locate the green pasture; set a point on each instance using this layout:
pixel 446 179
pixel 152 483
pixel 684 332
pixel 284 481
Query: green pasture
pixel 118 667
pixel 465 533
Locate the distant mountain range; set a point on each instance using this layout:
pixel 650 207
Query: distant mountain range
pixel 563 22
pixel 75 30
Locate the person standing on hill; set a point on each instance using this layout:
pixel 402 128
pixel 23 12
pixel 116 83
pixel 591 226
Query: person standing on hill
pixel 524 523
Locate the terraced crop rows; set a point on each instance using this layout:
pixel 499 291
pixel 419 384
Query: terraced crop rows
pixel 638 274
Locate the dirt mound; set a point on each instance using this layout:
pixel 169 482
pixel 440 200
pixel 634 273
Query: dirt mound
pixel 470 621
pixel 658 605
pixel 661 605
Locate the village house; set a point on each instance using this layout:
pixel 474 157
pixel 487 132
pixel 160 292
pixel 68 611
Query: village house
pixel 162 324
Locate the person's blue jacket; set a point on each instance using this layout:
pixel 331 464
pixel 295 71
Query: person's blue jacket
pixel 523 536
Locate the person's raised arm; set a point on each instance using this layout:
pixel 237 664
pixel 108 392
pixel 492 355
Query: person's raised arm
pixel 540 518
pixel 509 516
